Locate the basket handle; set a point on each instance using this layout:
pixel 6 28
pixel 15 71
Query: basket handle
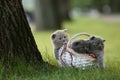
pixel 75 36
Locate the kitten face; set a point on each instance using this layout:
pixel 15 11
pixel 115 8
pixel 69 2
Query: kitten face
pixel 59 38
pixel 96 43
pixel 89 46
pixel 80 46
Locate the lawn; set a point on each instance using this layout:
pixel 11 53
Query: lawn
pixel 109 31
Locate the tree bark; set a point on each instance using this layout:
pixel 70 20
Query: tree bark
pixel 16 39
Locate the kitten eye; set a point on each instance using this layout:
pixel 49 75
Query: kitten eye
pixel 99 44
pixel 76 44
pixel 64 36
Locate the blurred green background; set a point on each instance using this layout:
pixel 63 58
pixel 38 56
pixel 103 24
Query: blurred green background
pixel 97 17
pixel 108 30
pixel 51 14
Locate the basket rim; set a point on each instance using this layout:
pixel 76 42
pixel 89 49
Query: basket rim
pixel 69 44
pixel 75 36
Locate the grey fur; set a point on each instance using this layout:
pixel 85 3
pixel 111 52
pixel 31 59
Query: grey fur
pixel 80 46
pixel 59 38
pixel 94 45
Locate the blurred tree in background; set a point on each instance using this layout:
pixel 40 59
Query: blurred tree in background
pixel 81 3
pixel 51 13
pixel 99 4
pixel 114 5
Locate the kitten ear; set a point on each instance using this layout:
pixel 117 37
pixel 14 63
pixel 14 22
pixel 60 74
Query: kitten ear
pixel 92 37
pixel 53 36
pixel 104 40
pixel 65 30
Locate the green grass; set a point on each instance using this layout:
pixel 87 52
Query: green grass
pixel 109 31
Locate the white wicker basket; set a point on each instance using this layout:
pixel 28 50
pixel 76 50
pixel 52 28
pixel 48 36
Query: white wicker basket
pixel 69 58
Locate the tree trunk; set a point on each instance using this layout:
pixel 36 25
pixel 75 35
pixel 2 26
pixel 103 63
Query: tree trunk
pixel 16 39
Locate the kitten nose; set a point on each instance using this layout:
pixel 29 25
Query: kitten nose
pixel 63 40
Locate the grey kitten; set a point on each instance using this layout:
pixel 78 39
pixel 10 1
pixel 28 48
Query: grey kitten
pixel 59 38
pixel 80 46
pixel 94 45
